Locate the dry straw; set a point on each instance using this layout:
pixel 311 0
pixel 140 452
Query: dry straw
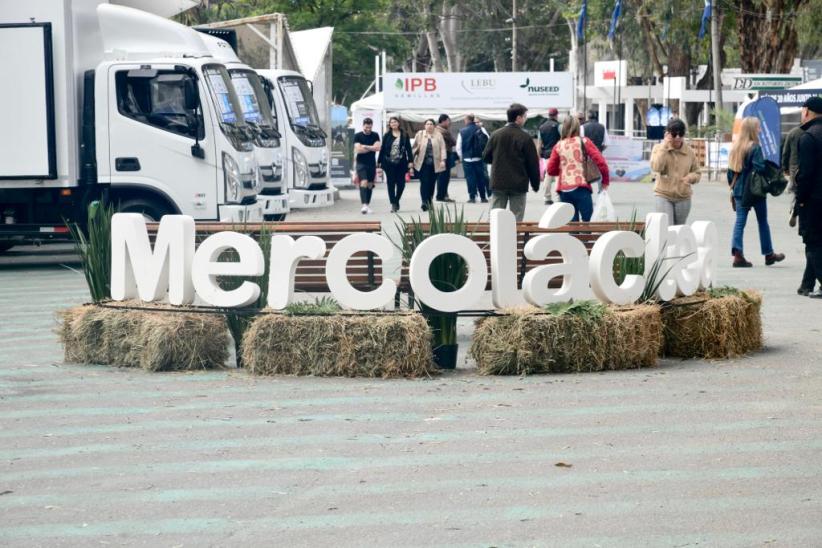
pixel 530 340
pixel 725 325
pixel 155 341
pixel 345 345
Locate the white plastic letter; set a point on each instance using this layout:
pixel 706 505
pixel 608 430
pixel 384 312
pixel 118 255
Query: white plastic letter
pixel 688 273
pixel 205 269
pixel 337 279
pixel 656 251
pixel 284 256
pixel 707 241
pixel 464 297
pixel 557 215
pixel 601 267
pixel 573 269
pixel 136 271
pixel 504 259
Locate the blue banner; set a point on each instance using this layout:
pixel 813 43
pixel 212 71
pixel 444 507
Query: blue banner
pixel 770 135
pixel 583 15
pixel 615 20
pixel 706 16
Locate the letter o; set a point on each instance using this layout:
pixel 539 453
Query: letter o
pixel 431 248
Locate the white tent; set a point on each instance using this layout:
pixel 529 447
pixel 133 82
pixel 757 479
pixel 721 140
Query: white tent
pixel 375 103
pixel 813 84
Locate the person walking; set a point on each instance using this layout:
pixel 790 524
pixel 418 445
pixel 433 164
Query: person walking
pixel 366 146
pixel 548 137
pixel 745 158
pixel 396 160
pixel 809 193
pixel 595 131
pixel 471 143
pixel 429 160
pixel 790 164
pixel 676 170
pixel 514 163
pixel 444 177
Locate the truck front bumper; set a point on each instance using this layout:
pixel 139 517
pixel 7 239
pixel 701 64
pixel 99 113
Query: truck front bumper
pixel 252 213
pixel 274 204
pixel 303 199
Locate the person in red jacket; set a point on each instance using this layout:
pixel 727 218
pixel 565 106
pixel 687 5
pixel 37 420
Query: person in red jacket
pixel 566 161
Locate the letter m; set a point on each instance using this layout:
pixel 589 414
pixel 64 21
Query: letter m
pixel 139 272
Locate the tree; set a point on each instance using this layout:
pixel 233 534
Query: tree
pixel 768 39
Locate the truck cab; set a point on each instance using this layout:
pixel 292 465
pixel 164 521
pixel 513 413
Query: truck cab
pixel 305 149
pixel 262 117
pixel 145 117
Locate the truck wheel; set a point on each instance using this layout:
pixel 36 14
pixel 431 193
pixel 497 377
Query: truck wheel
pixel 151 210
pixel 5 246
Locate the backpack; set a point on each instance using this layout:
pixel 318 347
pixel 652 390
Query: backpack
pixel 477 142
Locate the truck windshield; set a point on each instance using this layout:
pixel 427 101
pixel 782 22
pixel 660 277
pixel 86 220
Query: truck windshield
pixel 229 111
pixel 302 113
pixel 254 103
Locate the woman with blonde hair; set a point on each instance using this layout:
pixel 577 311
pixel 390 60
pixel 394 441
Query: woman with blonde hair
pixel 567 161
pixel 745 159
pixel 429 160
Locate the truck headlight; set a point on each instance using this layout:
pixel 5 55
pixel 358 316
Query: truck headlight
pixel 301 177
pixel 231 178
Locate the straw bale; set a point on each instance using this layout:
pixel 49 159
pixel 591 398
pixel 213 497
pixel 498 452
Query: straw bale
pixel 345 344
pixel 713 328
pixel 528 340
pixel 153 340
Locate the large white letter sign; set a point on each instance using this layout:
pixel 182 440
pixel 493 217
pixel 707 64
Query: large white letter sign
pixel 601 267
pixel 205 269
pixel 431 248
pixel 136 271
pixel 285 254
pixel 688 272
pixel 573 267
pixel 337 279
pixel 504 259
pixel 707 241
pixel 657 238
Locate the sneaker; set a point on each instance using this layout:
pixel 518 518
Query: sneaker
pixel 394 208
pixel 446 199
pixel 774 258
pixel 368 209
pixel 816 294
pixel 803 291
pixel 425 207
pixel 472 200
pixel 548 201
pixel 484 200
pixel 364 209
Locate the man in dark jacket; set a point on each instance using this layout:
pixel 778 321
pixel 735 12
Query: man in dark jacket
pixel 444 177
pixel 595 131
pixel 809 187
pixel 548 137
pixel 472 141
pixel 514 163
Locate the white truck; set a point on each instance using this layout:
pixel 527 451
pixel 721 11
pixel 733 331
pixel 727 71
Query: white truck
pixel 263 118
pixel 105 101
pixel 304 142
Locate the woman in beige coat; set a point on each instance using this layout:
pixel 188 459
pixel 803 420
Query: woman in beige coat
pixel 676 170
pixel 429 159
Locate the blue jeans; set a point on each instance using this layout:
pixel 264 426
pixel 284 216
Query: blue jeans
pixel 476 178
pixel 580 198
pixel 761 209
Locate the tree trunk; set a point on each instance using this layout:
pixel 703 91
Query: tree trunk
pixel 449 28
pixel 768 40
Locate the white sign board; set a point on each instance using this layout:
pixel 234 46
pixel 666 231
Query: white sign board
pixel 608 72
pixel 624 157
pixel 760 81
pixel 477 90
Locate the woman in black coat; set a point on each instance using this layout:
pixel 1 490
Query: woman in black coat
pixel 395 160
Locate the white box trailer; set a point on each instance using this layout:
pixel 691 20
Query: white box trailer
pixel 104 101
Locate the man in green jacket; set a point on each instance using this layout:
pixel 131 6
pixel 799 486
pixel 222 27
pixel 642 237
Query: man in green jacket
pixel 514 163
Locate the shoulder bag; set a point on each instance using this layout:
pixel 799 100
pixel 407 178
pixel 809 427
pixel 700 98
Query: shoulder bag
pixel 589 167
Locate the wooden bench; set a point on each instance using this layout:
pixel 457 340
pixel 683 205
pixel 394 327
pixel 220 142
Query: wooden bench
pixel 587 233
pixel 364 269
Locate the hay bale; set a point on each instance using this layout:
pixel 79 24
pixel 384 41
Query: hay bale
pixel 701 326
pixel 154 340
pixel 345 345
pixel 528 340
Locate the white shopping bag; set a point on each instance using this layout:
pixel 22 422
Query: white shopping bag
pixel 604 209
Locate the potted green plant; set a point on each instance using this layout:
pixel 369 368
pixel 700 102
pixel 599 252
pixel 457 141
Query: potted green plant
pixel 448 273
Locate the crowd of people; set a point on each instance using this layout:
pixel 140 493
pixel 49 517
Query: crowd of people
pixel 574 165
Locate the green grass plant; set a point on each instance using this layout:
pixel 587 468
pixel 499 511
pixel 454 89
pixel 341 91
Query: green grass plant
pixel 322 306
pixel 93 245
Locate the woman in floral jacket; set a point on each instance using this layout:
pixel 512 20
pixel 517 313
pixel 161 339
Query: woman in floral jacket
pixel 566 161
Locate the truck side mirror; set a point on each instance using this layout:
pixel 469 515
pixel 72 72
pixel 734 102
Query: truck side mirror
pixel 310 86
pixel 190 96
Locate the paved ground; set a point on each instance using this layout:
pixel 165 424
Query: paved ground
pixel 686 454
